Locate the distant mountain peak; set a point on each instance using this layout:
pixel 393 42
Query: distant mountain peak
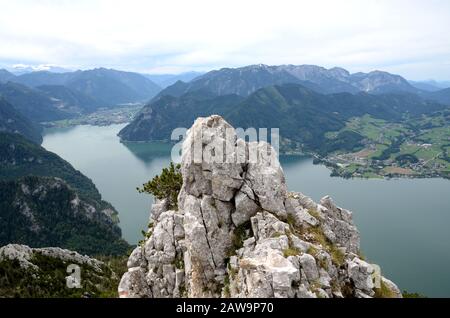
pixel 247 79
pixel 100 87
pixel 5 76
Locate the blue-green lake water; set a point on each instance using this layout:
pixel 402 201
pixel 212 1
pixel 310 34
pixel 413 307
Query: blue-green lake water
pixel 404 224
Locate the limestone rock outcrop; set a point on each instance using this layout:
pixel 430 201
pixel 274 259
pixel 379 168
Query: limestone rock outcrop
pixel 238 232
pixel 27 272
pixel 24 255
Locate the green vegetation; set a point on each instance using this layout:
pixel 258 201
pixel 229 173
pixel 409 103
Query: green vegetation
pixel 118 264
pixel 165 186
pixel 232 271
pixel 406 158
pixel 312 251
pixel 291 221
pixel 303 116
pixel 21 157
pixel 179 261
pixel 13 121
pixel 348 141
pixel 32 103
pixel 83 91
pixel 291 251
pixel 358 135
pixel 39 211
pixel 314 213
pixel 44 201
pixel 240 234
pixel 49 281
pixel 393 148
pixel 406 294
pixel 384 291
pixel 101 117
pixel 317 236
pixel 226 287
pixel 337 256
pixel 175 112
pixel 146 235
pixel 414 146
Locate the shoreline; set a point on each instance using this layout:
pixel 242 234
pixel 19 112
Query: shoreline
pixel 316 159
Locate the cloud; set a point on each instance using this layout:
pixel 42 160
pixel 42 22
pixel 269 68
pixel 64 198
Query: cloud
pixel 182 35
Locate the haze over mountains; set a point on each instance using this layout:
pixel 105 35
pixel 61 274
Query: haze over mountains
pixel 245 80
pixel 33 103
pixel 46 96
pixel 165 80
pixel 430 85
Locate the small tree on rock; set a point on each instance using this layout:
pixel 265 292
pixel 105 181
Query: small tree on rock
pixel 166 186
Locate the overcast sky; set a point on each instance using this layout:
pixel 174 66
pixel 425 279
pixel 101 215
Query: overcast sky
pixel 408 37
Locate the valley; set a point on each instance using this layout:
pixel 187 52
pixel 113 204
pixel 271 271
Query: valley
pixel 415 148
pixel 103 117
pixel 359 125
pixel 387 135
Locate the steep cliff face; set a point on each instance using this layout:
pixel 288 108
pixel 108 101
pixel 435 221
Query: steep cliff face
pixel 41 211
pixel 238 232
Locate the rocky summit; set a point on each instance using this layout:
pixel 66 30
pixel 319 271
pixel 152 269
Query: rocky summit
pixel 239 232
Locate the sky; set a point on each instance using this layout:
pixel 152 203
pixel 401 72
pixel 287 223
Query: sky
pixel 406 37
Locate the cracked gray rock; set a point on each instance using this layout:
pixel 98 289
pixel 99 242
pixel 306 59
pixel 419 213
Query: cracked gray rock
pixel 238 232
pixel 24 255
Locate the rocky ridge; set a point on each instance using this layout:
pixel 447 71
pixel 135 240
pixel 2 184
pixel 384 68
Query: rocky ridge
pixel 27 272
pixel 24 254
pixel 238 232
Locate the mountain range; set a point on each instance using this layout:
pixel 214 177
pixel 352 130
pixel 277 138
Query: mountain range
pixel 70 99
pixel 5 76
pixel 165 80
pixel 47 96
pixel 430 85
pixel 305 102
pixel 441 96
pixel 33 104
pixel 303 115
pixel 12 121
pixel 246 80
pixel 20 69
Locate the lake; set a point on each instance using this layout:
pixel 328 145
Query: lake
pixel 404 223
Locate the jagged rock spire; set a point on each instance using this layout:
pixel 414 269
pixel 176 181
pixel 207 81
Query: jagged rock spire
pixel 238 232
